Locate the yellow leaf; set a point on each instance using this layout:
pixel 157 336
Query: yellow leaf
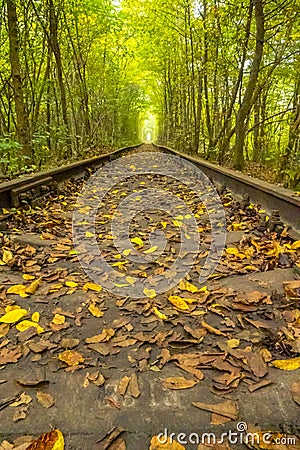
pixel 5 211
pixel 151 293
pixel 92 287
pixel 130 280
pixel 127 251
pixel 179 302
pixel 19 289
pixel 151 250
pixel 53 440
pixel 159 314
pixel 27 277
pixel 164 224
pixel 58 319
pixel 177 223
pixel 119 264
pixel 7 256
pixel 232 251
pixel 138 241
pixel 164 443
pixel 204 289
pixel 95 310
pixel 71 357
pixel 35 317
pixel 13 316
pixel 71 284
pixel 287 364
pixel 33 286
pixel 9 308
pixel 186 286
pixel 88 234
pixel 233 343
pixel 238 226
pixel 25 324
pixel 295 245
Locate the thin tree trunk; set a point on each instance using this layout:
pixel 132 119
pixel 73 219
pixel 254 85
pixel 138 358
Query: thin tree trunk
pixel 22 122
pixel 247 102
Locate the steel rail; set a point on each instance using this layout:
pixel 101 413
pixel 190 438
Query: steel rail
pixel 16 192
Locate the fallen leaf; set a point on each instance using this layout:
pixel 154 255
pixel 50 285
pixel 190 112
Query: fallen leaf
pixel 20 414
pixel 123 385
pixel 24 399
pixel 9 356
pixel 138 241
pixel 233 343
pixel 33 383
pixel 186 286
pixel 178 383
pixel 295 391
pixel 179 302
pixel 69 343
pixel 118 444
pixel 58 319
pixel 72 358
pixel 106 442
pixel 32 288
pixel 133 388
pixel 54 440
pixel 35 317
pixel 212 329
pixel 151 250
pixel 158 314
pixel 151 293
pixel 13 316
pixel 71 284
pixel 164 443
pixel 45 399
pixel 4 329
pixel 287 364
pixel 7 256
pixel 95 311
pixel 106 335
pixel 25 324
pixel 92 287
pixel 229 408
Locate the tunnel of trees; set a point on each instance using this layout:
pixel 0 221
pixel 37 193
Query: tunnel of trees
pixel 218 79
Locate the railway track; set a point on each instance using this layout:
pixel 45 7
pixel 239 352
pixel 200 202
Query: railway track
pixel 280 205
pixel 150 324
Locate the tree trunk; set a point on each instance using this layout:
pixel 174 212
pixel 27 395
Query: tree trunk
pixel 55 47
pixel 247 102
pixel 22 122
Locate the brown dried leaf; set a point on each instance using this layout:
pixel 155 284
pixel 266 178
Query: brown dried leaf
pixel 45 399
pixel 229 408
pixel 211 329
pixel 110 438
pixel 9 356
pixel 123 385
pixel 134 389
pixel 178 383
pixel 295 390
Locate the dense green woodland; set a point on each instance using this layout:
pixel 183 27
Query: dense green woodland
pixel 218 79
